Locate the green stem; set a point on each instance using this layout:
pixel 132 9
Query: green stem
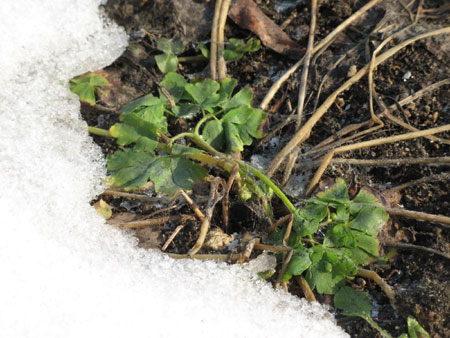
pixel 199 124
pixel 222 161
pixel 225 164
pixel 376 327
pixel 269 183
pixel 193 58
pixel 99 131
pixel 198 141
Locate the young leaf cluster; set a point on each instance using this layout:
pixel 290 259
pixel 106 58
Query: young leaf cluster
pixel 234 51
pixel 168 61
pixel 236 48
pixel 333 236
pixel 85 86
pixel 228 123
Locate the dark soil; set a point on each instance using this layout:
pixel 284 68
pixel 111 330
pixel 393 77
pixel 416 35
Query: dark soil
pixel 421 280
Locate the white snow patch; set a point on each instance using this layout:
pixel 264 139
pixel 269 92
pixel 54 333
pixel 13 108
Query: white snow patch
pixel 64 273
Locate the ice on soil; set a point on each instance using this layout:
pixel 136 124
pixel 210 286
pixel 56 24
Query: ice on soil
pixel 64 273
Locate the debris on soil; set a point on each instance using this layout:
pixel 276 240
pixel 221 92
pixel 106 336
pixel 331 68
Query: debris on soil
pixel 405 87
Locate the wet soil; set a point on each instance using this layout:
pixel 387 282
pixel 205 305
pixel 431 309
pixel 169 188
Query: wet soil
pixel 421 280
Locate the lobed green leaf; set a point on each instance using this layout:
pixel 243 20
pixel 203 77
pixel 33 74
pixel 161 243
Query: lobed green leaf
pixel 353 302
pixel 166 62
pixel 85 86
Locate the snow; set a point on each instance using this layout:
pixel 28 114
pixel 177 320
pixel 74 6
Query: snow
pixel 64 273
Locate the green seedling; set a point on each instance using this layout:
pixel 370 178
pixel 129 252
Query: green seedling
pixel 355 303
pixel 85 86
pixel 168 61
pixel 236 48
pixel 333 237
pixel 228 123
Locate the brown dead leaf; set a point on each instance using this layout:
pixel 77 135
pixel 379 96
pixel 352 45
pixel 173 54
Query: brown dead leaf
pixel 149 238
pixel 247 15
pixel 123 217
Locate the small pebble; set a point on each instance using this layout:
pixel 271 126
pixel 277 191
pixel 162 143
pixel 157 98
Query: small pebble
pixel 407 75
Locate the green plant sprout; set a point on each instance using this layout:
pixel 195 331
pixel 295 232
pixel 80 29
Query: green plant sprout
pixel 331 237
pixel 236 48
pixel 354 303
pixel 168 61
pixel 228 123
pixel 85 86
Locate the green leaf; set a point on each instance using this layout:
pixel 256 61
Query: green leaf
pixel 130 168
pixel 244 97
pixel 85 86
pixel 204 93
pixel 369 220
pixel 213 134
pixel 174 83
pixel 360 257
pixel 363 199
pixel 367 243
pixel 150 109
pixel 236 48
pixel 266 274
pixel 227 86
pixel 299 263
pixel 232 137
pixel 185 173
pixel 170 46
pixel 124 134
pixel 143 102
pixel 415 330
pixel 166 62
pixel 353 302
pixel 314 211
pixel 304 227
pixel 203 49
pixel 339 236
pixel 145 144
pixel 328 274
pixel 335 195
pixel 186 110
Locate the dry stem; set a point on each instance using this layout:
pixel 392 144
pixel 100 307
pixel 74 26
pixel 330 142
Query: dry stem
pixel 416 247
pixel 302 90
pixel 276 86
pixel 305 131
pixel 421 216
pixel 306 289
pixel 380 281
pixel 155 221
pixel 391 139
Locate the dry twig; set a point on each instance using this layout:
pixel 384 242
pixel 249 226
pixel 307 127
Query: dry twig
pixel 306 289
pixel 155 221
pixel 380 281
pixel 408 246
pixel 274 89
pixel 302 90
pixel 305 131
pixel 172 237
pixel 421 216
pixel 215 195
pixel 385 140
pixel 443 176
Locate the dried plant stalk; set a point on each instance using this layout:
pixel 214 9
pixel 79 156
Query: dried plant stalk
pixel 305 131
